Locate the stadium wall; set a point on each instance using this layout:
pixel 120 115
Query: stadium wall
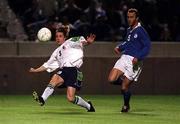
pixel 160 74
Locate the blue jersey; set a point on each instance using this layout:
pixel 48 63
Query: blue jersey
pixel 137 43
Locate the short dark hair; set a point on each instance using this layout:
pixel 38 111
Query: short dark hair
pixel 131 10
pixel 64 29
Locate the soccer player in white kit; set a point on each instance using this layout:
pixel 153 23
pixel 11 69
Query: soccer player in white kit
pixel 68 57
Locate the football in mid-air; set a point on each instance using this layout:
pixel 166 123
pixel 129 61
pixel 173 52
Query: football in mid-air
pixel 44 34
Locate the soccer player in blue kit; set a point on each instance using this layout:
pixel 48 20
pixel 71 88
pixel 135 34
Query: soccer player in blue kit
pixel 133 51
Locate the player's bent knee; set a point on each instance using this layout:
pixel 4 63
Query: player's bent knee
pixel 70 98
pixel 111 80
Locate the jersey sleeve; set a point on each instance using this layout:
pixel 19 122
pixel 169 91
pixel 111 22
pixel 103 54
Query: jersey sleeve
pixel 122 46
pixel 52 63
pixel 82 40
pixel 145 40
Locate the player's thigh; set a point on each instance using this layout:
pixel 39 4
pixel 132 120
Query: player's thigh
pixel 71 93
pixel 56 80
pixel 114 74
pixel 118 69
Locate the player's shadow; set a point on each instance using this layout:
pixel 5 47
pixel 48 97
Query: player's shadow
pixel 64 113
pixel 141 112
pixel 68 111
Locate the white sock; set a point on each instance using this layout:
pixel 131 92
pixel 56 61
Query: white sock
pixel 47 92
pixel 81 102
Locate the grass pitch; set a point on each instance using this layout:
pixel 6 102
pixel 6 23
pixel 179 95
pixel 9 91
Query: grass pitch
pixel 144 110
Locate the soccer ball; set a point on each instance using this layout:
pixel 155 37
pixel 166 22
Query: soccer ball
pixel 44 34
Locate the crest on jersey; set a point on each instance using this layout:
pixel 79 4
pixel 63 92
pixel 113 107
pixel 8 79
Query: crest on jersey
pixel 135 35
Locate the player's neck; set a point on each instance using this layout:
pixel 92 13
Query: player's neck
pixel 135 24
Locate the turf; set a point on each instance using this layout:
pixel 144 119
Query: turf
pixel 144 110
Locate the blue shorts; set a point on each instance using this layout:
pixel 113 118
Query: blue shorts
pixel 72 77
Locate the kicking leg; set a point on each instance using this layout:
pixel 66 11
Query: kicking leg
pixel 78 100
pixel 115 77
pixel 56 80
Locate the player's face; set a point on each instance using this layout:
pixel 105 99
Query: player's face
pixel 132 20
pixel 60 38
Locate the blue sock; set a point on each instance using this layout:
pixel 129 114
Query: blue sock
pixel 127 96
pixel 118 81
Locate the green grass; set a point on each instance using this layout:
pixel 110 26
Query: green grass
pixel 144 110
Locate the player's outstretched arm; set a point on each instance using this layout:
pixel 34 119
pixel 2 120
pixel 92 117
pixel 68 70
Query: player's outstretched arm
pixel 90 39
pixel 35 70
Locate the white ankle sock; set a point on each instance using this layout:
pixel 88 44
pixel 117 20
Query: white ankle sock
pixel 81 102
pixel 47 92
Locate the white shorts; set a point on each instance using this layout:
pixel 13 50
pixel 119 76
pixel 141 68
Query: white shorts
pixel 124 64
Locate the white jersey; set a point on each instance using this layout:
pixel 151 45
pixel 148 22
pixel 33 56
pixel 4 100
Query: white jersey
pixel 69 54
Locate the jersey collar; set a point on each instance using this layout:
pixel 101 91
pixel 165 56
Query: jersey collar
pixel 138 25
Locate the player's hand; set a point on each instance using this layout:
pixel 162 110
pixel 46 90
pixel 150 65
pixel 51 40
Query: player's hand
pixel 135 64
pixel 90 39
pixel 134 61
pixel 116 50
pixel 32 70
